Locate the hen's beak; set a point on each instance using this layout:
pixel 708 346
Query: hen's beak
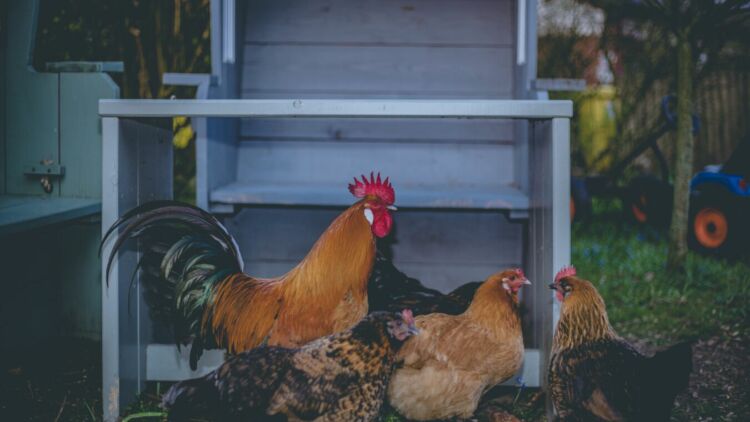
pixel 553 286
pixel 392 207
pixel 413 330
pixel 526 281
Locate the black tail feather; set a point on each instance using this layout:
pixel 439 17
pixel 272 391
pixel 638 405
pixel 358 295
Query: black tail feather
pixel 143 217
pixel 669 375
pixel 186 252
pixel 192 398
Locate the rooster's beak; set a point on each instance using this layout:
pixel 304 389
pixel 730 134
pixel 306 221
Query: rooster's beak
pixel 553 286
pixel 392 207
pixel 413 330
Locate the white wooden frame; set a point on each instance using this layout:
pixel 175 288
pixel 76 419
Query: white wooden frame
pixel 137 167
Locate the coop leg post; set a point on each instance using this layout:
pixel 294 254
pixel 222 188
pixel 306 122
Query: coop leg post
pixel 560 198
pixel 137 168
pixel 560 180
pixel 110 297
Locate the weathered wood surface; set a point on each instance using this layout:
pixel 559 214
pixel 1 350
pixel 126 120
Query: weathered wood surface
pixel 721 100
pixel 427 244
pixel 423 22
pixel 80 132
pixel 32 120
pixel 410 165
pixel 23 212
pixel 326 71
pixel 455 197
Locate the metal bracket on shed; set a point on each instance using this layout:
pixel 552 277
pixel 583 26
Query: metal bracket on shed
pixel 50 170
pixel 45 170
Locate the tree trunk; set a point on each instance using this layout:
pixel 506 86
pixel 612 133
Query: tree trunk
pixel 683 156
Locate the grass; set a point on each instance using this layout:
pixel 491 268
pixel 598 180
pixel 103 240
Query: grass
pixel 644 300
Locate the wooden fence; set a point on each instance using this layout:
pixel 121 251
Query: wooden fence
pixel 722 101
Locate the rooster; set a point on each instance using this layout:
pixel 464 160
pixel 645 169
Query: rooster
pixel 342 377
pixel 455 359
pixel 596 375
pixel 193 275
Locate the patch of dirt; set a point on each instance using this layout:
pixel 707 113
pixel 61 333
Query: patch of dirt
pixel 720 383
pixel 62 381
pixel 55 381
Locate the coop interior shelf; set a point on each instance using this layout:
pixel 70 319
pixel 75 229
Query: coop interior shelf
pixel 23 212
pixel 507 198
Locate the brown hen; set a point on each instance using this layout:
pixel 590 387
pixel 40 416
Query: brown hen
pixel 456 358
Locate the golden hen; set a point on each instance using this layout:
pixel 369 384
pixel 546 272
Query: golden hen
pixel 456 358
pixel 594 375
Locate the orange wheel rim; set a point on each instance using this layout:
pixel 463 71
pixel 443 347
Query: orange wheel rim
pixel 711 228
pixel 572 209
pixel 637 210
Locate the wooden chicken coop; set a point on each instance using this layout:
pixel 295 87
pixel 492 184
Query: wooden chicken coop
pixel 303 95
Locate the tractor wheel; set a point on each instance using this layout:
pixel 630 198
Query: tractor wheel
pixel 648 200
pixel 714 226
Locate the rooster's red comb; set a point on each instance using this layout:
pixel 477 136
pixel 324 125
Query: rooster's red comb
pixel 407 316
pixel 380 188
pixel 567 271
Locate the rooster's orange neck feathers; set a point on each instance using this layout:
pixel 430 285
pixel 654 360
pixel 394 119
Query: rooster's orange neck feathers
pixel 583 318
pixel 345 251
pixel 328 288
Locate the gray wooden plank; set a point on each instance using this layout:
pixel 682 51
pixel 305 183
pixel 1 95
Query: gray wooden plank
pixel 443 249
pixel 20 212
pixel 80 132
pixel 111 191
pixel 462 197
pixel 477 130
pixel 407 164
pixel 406 71
pixel 165 362
pixel 137 168
pixel 335 108
pixel 453 22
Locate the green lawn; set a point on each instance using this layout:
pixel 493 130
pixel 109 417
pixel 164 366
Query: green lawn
pixel 644 300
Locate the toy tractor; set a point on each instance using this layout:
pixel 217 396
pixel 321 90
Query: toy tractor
pixel 646 199
pixel 720 205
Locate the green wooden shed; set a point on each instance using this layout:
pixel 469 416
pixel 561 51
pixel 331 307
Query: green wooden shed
pixel 50 187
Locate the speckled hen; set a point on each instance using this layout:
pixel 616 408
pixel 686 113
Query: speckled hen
pixel 342 377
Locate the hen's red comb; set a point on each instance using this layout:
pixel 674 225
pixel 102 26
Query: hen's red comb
pixel 407 316
pixel 567 271
pixel 380 188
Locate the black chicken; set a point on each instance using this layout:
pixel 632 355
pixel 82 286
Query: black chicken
pixel 390 290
